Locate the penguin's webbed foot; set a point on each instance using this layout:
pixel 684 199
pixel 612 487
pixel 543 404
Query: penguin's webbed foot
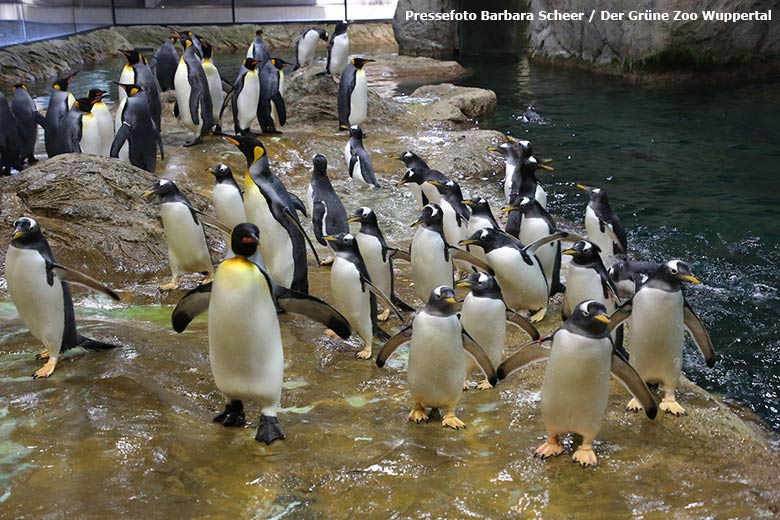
pixel 484 385
pixel 634 406
pixel 383 315
pixel 42 355
pixel 327 261
pixel 418 414
pixel 269 429
pixel 450 421
pixel 171 286
pixel 208 279
pixel 46 370
pixel 233 414
pixel 195 141
pixel 585 456
pixel 673 407
pixel 365 353
pixel 551 448
pixel 538 315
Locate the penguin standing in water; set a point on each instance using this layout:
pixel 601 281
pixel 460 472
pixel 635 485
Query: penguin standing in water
pixel 271 109
pixel 257 49
pixel 270 207
pixel 59 104
pixel 525 183
pixel 353 94
pixel 428 193
pixel 138 72
pixel 10 139
pixel 484 316
pixel 437 357
pixel 306 44
pixel 603 226
pixel 193 100
pixel 187 249
pixel 214 81
pixel 328 216
pixel 29 118
pixel 338 49
pixel 39 288
pixel 104 120
pixel 659 317
pixel 359 164
pixel 377 256
pixel 575 391
pixel 246 96
pixel 227 199
pixel 245 343
pixel 138 131
pixel 82 129
pixel 166 59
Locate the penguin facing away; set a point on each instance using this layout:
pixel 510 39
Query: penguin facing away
pixel 257 49
pixel 29 118
pixel 575 391
pixel 137 131
pixel 271 109
pixel 430 254
pixel 603 226
pixel 353 94
pixel 214 81
pixel 166 60
pixel 437 357
pixel 359 164
pixel 228 200
pixel 328 216
pixel 628 275
pixel 10 139
pixel 39 288
pixel 59 104
pixel 306 44
pixel 338 49
pixel 242 304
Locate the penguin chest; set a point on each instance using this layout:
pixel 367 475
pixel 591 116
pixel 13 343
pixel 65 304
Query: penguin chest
pixel 128 78
pixel 477 223
pixel 306 47
pixel 41 306
pixel 598 237
pixel 541 196
pixel 348 155
pixel 379 270
pixel 350 298
pixel 657 335
pixel 430 268
pixel 452 232
pixel 215 87
pixel 430 191
pixel 228 204
pixel 523 285
pixel 181 84
pixel 509 172
pixel 584 283
pixel 106 126
pixel 485 320
pixel 276 247
pixel 576 384
pixel 91 141
pixel 358 100
pixel 187 250
pixel 339 54
pixel 245 346
pixel 248 99
pixel 437 362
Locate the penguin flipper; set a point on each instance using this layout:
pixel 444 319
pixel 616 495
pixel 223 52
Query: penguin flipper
pixel 176 109
pixel 209 220
pixel 75 277
pixel 630 379
pixel 400 254
pixel 558 235
pixel 465 256
pixel 386 302
pixel 353 160
pixel 93 344
pixel 522 323
pixel 39 119
pixel 281 109
pixel 620 315
pixel 297 224
pixel 122 135
pixel 477 353
pixel 528 354
pixel 402 337
pixel 317 216
pixel 313 308
pixel 299 205
pixel 402 305
pixel 193 304
pixel 699 334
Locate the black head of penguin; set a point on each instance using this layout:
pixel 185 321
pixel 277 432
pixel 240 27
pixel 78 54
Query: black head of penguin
pixel 221 172
pixel 430 216
pixel 489 239
pixel 598 196
pixel 26 231
pixel 20 85
pixel 250 63
pixel 63 83
pixel 84 104
pixel 130 89
pixel 673 273
pixel 344 243
pixel 590 318
pixel 259 33
pixel 415 175
pixel 341 28
pixel 207 49
pixel 450 189
pixel 523 148
pixel 479 206
pixel 520 204
pixel 482 285
pixel 244 239
pixel 96 94
pixel 132 55
pixel 365 216
pixel 252 149
pixel 359 62
pixel 323 34
pixel 279 63
pixel 583 252
pixel 164 189
pixel 506 150
pixel 411 160
pixel 356 132
pixel 441 302
pixel 320 166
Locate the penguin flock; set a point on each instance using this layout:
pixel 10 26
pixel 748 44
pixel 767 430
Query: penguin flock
pixel 508 275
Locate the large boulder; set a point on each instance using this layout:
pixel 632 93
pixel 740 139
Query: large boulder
pixel 448 102
pixel 434 39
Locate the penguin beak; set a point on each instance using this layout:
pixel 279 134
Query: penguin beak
pixel 603 318
pixel 250 239
pixel 211 171
pixel 545 166
pixel 400 183
pixel 434 183
pixel 451 300
pixel 416 223
pixel 467 202
pixel 583 187
pixel 467 242
pixel 492 149
pixel 463 283
pixel 148 193
pixel 330 238
pixel 231 140
pixel 394 156
pixel 511 139
pixel 507 209
pixel 569 252
pixel 354 219
pixel 691 278
pixel 546 161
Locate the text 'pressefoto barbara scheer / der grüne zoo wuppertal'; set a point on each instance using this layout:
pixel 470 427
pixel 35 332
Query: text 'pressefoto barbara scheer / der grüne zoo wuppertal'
pixel 647 15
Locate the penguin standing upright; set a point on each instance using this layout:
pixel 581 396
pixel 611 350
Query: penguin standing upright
pixel 428 193
pixel 271 109
pixel 81 128
pixel 245 343
pixel 246 96
pixel 430 254
pixel 411 160
pixel 587 279
pixel 227 199
pixel 328 216
pixel 338 49
pixel 455 214
pixel 10 139
pixel 166 60
pixel 353 94
pixel 193 100
pixel 512 158
pixel 359 164
pixel 525 183
pixel 305 45
pixel 39 288
pixel 104 120
pixel 138 72
pixel 575 391
pixel 59 105
pixel 628 275
pixel 659 317
pixel 214 81
pixel 257 49
pixel 603 226
pixel 29 118
pixel 138 131
pixel 187 249
pixel 437 357
pixel 481 218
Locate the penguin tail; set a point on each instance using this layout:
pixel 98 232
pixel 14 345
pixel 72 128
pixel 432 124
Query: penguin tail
pixel 94 345
pixel 402 305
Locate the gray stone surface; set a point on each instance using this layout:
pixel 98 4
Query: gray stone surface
pixel 434 39
pixel 455 103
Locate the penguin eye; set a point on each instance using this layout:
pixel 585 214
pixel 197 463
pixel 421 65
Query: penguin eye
pixel 585 313
pixel 673 270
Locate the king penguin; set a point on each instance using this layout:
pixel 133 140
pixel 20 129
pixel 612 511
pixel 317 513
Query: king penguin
pixel 437 358
pixel 328 216
pixel 245 96
pixel 227 199
pixel 166 60
pixel 104 120
pixel 271 109
pixel 187 249
pixel 29 118
pixel 338 49
pixel 138 72
pixel 359 164
pixel 137 131
pixel 575 392
pixel 193 100
pixel 39 288
pixel 81 128
pixel 214 81
pixel 353 94
pixel 245 342
pixel 257 49
pixel 306 44
pixel 603 226
pixel 59 104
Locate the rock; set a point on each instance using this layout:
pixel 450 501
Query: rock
pixel 434 39
pixel 464 155
pixel 454 103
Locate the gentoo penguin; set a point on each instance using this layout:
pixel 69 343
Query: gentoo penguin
pixel 227 199
pixel 257 49
pixel 630 274
pixel 10 139
pixel 525 183
pixel 354 295
pixel 214 81
pixel 575 391
pixel 104 120
pixel 353 94
pixel 39 288
pixel 481 218
pixel 187 249
pixel 328 216
pixel 455 214
pixel 29 118
pixel 59 104
pixel 659 317
pixel 484 316
pixel 511 154
pixel 166 60
pixel 271 109
pixel 359 164
pixel 193 100
pixel 82 129
pixel 428 194
pixel 529 221
pixel 245 96
pixel 270 207
pixel 138 72
pixel 437 357
pixel 377 256
pixel 530 116
pixel 305 45
pixel 245 343
pixel 138 131
pixel 338 49
pixel 411 160
pixel 603 226
pixel 430 253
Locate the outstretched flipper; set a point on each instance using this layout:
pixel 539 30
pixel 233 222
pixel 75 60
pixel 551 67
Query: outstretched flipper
pixel 386 302
pixel 465 256
pixel 528 354
pixel 402 305
pixel 400 254
pixel 630 379
pixel 298 225
pixel 477 353
pixel 558 235
pixel 211 221
pixel 69 275
pixel 621 314
pixel 522 323
pixel 313 308
pixel 699 334
pixel 191 305
pixel 402 337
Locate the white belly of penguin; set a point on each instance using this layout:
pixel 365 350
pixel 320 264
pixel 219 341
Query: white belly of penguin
pixel 106 126
pixel 91 140
pixel 509 171
pixel 576 384
pixel 485 320
pixel 229 207
pixel 247 100
pixel 430 191
pixel 350 300
pixel 601 239
pixel 379 271
pixel 275 244
pixel 429 267
pixel 477 224
pixel 181 84
pixel 215 88
pixel 348 155
pixel 339 54
pixel 245 346
pixel 533 229
pixel 187 250
pixel 583 283
pixel 541 196
pixel 657 335
pixel 306 48
pixel 437 363
pixel 523 285
pixel 128 78
pixel 452 232
pixel 40 305
pixel 358 100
